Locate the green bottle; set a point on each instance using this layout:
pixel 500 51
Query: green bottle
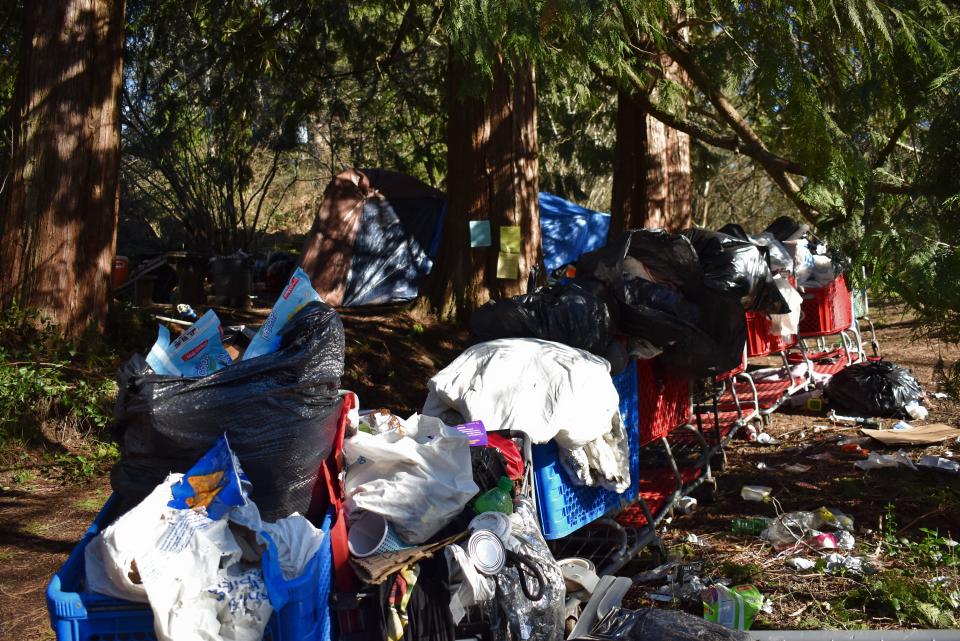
pixel 754 525
pixel 498 499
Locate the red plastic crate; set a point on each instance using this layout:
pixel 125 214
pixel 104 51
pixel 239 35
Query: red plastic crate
pixel 663 401
pixel 761 341
pixel 826 310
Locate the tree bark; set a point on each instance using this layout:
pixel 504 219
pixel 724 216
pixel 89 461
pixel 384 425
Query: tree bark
pixel 58 232
pixel 651 173
pixel 492 174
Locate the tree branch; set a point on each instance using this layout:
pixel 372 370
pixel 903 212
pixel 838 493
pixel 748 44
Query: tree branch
pixel 741 127
pixel 731 143
pixel 893 140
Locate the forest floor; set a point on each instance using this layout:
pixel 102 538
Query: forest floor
pixel 904 519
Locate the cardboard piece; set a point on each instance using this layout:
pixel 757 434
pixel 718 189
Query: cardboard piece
pixel 375 569
pixel 508 266
pixel 510 239
pixel 922 435
pixel 480 233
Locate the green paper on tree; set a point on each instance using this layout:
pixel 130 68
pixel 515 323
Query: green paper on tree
pixel 508 266
pixel 510 239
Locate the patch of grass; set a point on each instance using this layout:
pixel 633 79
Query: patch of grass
pixel 92 503
pixel 931 551
pixel 908 600
pixel 36 528
pixel 6 557
pixel 97 458
pixel 740 573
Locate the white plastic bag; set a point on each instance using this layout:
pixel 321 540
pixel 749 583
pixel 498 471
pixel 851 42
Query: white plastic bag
pixel 787 324
pixel 418 477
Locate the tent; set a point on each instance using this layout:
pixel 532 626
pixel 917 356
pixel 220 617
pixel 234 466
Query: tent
pixel 377 232
pixel 374 238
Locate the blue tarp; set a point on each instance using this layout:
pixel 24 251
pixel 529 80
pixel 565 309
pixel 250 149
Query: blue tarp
pixel 569 230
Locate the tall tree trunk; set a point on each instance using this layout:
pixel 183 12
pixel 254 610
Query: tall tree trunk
pixel 651 175
pixel 492 174
pixel 59 223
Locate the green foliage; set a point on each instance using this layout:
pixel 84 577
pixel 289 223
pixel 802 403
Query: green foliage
pixel 46 379
pixel 906 599
pixel 931 551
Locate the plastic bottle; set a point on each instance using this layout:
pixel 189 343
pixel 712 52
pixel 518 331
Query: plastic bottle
pixel 498 499
pixel 754 525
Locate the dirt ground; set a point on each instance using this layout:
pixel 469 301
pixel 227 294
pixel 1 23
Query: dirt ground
pixel 390 355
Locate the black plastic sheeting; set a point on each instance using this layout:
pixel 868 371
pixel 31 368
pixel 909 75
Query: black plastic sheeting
pixel 873 389
pixel 670 258
pixel 580 314
pixel 701 331
pixel 393 249
pixel 738 267
pixel 657 624
pixel 279 412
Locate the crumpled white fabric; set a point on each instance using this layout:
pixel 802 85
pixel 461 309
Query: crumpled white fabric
pixel 546 389
pixel 604 461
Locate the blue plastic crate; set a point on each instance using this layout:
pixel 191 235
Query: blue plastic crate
pixel 78 615
pixel 564 507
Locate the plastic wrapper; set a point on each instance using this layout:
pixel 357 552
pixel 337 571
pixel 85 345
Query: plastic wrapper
pixel 279 411
pixel 792 528
pixel 540 620
pixel 732 608
pixel 198 351
pixel 294 297
pixel 778 258
pixel 737 267
pixel 873 389
pixel 580 314
pixel 655 624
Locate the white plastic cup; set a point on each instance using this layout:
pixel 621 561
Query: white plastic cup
pixel 371 534
pixel 755 493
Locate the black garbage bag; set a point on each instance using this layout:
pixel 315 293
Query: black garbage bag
pixel 783 228
pixel 694 343
pixel 658 624
pixel 580 314
pixel 279 412
pixel 873 389
pixel 738 268
pixel 668 258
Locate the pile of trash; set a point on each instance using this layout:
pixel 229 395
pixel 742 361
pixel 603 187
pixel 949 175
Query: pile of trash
pixel 680 295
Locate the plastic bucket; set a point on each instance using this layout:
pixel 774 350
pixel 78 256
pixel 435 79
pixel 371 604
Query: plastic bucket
pixel 371 534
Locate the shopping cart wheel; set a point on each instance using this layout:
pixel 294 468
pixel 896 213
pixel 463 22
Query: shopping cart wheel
pixel 719 460
pixel 765 419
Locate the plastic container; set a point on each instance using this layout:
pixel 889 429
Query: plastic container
pixel 663 401
pixel 826 310
pixel 76 615
pixel 497 499
pixel 564 507
pixel 120 271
